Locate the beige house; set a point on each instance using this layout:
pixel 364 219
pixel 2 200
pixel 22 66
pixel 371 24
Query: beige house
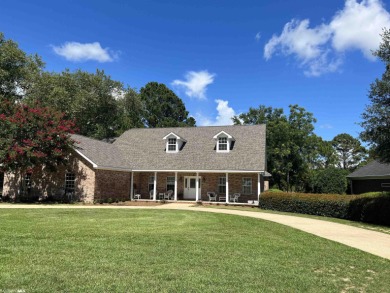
pixel 182 163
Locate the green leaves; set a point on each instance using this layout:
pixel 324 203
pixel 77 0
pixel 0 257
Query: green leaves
pixel 163 108
pixel 376 118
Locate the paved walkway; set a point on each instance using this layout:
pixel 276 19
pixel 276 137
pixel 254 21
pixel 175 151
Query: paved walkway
pixel 373 242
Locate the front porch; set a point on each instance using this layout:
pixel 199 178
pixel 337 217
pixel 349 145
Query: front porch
pixel 194 186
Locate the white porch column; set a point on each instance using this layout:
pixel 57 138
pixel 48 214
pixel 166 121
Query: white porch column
pixel 175 191
pixel 258 186
pixel 155 186
pixel 197 186
pixel 131 186
pixel 227 187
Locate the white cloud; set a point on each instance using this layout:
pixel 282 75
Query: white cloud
pixel 258 36
pixel 326 126
pixel 225 113
pixel 320 49
pixel 74 51
pixel 196 83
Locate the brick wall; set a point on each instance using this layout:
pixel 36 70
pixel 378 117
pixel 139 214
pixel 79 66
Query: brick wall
pixel 45 183
pixel 209 183
pixel 362 186
pixel 112 184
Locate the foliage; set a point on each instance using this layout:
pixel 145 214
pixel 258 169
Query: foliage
pixel 130 111
pixel 33 136
pixel 292 146
pixel 329 180
pixel 371 209
pixel 163 108
pixel 18 71
pixel 349 151
pixel 53 250
pixel 87 98
pixel 376 118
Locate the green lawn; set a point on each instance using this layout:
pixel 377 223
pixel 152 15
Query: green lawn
pixel 97 250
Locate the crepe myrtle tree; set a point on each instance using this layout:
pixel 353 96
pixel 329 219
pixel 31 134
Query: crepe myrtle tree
pixel 33 137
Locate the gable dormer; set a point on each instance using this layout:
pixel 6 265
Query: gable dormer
pixel 173 142
pixel 224 142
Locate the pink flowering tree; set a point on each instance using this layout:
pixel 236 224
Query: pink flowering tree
pixel 33 137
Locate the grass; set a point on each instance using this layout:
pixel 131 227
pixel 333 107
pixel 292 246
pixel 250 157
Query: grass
pixel 98 250
pixel 372 227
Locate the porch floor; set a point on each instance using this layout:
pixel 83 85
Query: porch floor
pixel 200 202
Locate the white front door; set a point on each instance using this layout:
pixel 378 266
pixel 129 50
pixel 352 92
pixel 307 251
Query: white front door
pixel 190 187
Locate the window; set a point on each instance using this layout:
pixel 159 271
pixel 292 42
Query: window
pixel 170 183
pixel 222 185
pixel 1 181
pixel 27 183
pixel 222 144
pixel 70 179
pixel 151 183
pixel 172 144
pixel 247 185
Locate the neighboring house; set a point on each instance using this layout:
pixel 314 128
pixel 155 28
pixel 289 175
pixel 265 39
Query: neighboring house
pixel 147 162
pixel 374 176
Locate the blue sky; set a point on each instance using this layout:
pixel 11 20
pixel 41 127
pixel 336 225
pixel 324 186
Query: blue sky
pixel 220 57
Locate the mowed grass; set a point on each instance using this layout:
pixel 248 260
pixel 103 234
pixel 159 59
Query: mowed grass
pixel 97 250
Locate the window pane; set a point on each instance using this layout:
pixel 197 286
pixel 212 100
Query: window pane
pixel 70 181
pixel 192 183
pixel 247 185
pixel 172 147
pixel 170 183
pixel 222 185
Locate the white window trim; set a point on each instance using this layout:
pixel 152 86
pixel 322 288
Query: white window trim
pixel 229 140
pixel 227 145
pixel 179 142
pixel 176 145
pixel 251 186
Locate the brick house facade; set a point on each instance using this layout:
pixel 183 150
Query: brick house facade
pixel 128 167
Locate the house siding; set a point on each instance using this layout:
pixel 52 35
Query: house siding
pixel 368 185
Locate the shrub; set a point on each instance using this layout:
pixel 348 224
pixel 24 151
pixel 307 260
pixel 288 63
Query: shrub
pixel 375 210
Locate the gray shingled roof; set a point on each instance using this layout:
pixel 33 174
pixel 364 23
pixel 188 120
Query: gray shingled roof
pixel 145 149
pixel 373 169
pixel 103 154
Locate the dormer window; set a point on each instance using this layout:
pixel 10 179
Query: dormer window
pixel 224 142
pixel 173 143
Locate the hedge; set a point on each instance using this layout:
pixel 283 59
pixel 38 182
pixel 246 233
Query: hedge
pixel 375 210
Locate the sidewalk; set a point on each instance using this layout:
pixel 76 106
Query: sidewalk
pixel 369 241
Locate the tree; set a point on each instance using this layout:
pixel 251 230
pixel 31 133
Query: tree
pixel 18 71
pixel 350 153
pixel 291 143
pixel 163 108
pixel 90 99
pixel 130 111
pixel 33 137
pixel 376 118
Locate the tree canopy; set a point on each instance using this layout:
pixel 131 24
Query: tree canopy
pixel 376 118
pixel 349 151
pixel 163 108
pixel 18 71
pixel 33 136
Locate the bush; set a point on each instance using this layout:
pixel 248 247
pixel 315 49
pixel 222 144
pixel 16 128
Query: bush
pixel 375 210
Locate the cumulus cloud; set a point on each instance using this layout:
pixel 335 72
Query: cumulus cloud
pixel 74 51
pixel 224 116
pixel 320 49
pixel 195 83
